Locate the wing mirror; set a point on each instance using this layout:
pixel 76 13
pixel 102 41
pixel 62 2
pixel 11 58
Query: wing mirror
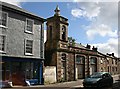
pixel 103 76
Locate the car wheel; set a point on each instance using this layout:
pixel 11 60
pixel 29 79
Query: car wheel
pixel 111 85
pixel 100 86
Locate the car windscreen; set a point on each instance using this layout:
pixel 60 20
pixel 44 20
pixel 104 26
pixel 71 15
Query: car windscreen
pixel 96 75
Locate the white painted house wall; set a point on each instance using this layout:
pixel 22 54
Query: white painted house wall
pixel 50 74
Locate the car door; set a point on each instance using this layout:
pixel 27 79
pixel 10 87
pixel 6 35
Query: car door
pixel 107 79
pixel 110 79
pixel 104 80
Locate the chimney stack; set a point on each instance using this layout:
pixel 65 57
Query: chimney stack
pixel 113 54
pixel 95 49
pixel 88 46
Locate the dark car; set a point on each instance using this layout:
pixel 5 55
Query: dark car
pixel 98 80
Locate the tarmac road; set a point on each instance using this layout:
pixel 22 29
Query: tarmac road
pixel 68 85
pixel 116 85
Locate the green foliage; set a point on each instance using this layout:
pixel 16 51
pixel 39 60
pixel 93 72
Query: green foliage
pixel 71 41
pixel 48 82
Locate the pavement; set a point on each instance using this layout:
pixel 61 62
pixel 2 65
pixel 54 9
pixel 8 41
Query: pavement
pixel 65 85
pixel 77 83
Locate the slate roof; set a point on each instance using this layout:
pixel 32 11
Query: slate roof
pixel 80 46
pixel 20 10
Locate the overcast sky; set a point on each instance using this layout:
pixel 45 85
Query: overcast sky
pixel 91 22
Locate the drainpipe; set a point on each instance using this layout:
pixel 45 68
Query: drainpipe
pixel 10 80
pixel 41 79
pixel 88 65
pixel 74 68
pixel 41 64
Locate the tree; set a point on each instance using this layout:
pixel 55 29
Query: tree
pixel 71 41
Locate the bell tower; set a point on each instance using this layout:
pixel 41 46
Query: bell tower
pixel 57 31
pixel 57 43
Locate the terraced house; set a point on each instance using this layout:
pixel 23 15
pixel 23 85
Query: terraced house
pixel 21 45
pixel 108 63
pixel 72 60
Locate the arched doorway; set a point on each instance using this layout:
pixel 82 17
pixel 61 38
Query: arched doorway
pixel 80 65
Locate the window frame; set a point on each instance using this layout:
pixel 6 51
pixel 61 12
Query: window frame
pixel 80 59
pixel 30 54
pixel 6 19
pixel 4 51
pixel 93 60
pixel 63 57
pixel 63 33
pixel 31 32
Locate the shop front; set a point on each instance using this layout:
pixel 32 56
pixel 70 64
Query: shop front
pixel 22 71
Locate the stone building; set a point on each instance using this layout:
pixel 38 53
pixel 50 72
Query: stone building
pixel 118 65
pixel 112 63
pixel 21 45
pixel 72 60
pixel 108 63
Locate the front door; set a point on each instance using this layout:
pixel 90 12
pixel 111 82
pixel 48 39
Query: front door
pixel 5 70
pixel 80 62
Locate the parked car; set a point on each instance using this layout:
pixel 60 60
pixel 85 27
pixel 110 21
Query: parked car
pixel 5 84
pixel 32 82
pixel 98 80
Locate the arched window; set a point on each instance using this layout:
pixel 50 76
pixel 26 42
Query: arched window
pixel 63 33
pixel 93 60
pixel 80 59
pixel 63 58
